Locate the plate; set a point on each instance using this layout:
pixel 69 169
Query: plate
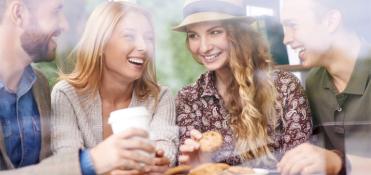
pixel 261 171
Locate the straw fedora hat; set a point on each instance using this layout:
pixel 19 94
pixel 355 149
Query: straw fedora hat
pixel 196 11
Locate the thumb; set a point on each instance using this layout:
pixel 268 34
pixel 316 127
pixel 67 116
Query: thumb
pixel 159 153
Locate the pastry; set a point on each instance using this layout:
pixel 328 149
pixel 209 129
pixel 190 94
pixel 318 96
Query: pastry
pixel 178 170
pixel 211 141
pixel 238 170
pixel 209 169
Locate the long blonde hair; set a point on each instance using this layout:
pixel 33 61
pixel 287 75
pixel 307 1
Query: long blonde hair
pixel 252 98
pixel 88 70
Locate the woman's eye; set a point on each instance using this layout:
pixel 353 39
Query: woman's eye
pixel 128 36
pixel 216 32
pixel 149 38
pixel 191 35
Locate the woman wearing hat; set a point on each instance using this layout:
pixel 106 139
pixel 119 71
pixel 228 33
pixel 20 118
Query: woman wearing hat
pixel 260 113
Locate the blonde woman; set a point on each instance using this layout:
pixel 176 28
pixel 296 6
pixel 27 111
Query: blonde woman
pixel 114 70
pixel 259 112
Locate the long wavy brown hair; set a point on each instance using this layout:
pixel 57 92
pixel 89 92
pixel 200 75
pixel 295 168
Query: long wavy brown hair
pixel 252 98
pixel 88 70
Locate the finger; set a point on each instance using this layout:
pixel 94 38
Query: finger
pixel 137 143
pixel 131 166
pixel 194 143
pixel 133 132
pixel 163 161
pixel 160 153
pixel 314 169
pixel 285 167
pixel 155 173
pixel 298 166
pixel 186 149
pixel 125 172
pixel 289 155
pixel 183 159
pixel 159 169
pixel 195 134
pixel 137 156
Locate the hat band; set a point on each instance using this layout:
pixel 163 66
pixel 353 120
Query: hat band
pixel 213 6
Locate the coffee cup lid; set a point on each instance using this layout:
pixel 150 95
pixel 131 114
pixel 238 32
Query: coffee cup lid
pixel 132 111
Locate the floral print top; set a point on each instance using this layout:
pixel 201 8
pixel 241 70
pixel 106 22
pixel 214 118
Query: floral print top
pixel 200 107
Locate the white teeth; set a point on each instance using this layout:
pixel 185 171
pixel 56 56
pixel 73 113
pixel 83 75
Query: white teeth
pixel 298 50
pixel 211 57
pixel 136 60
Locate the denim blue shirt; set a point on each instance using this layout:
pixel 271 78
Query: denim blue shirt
pixel 20 121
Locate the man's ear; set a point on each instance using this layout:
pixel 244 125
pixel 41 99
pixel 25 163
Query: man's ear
pixel 18 13
pixel 333 20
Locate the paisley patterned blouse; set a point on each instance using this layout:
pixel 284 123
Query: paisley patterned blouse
pixel 199 106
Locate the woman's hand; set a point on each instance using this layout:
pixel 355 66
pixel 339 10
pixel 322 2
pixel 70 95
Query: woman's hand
pixel 190 150
pixel 161 163
pixel 124 151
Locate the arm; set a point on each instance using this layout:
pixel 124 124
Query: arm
pixel 66 135
pixel 300 157
pixel 189 131
pixel 117 151
pixel 67 163
pixel 297 118
pixel 310 159
pixel 58 164
pixel 163 127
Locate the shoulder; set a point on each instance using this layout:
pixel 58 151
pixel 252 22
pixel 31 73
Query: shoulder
pixel 164 90
pixel 193 91
pixel 187 93
pixel 39 75
pixel 65 90
pixel 64 87
pixel 41 81
pixel 165 93
pixel 284 80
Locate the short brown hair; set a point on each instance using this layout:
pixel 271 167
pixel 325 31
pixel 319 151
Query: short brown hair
pixel 4 4
pixel 355 13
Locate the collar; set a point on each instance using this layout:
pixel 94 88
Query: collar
pixel 26 82
pixel 207 85
pixel 360 75
pixel 1 85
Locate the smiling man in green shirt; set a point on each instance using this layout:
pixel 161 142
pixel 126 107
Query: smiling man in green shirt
pixel 326 36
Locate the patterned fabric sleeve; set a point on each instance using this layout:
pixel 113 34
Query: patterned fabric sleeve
pixel 185 118
pixel 296 119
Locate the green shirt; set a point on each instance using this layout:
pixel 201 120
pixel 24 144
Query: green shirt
pixel 343 119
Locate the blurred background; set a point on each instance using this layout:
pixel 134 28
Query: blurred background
pixel 175 66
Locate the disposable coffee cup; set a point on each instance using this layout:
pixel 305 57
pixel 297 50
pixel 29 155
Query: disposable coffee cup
pixel 134 117
pixel 127 118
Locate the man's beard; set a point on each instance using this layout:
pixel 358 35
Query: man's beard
pixel 38 45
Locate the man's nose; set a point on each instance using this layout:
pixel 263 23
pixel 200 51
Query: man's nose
pixel 288 37
pixel 64 26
